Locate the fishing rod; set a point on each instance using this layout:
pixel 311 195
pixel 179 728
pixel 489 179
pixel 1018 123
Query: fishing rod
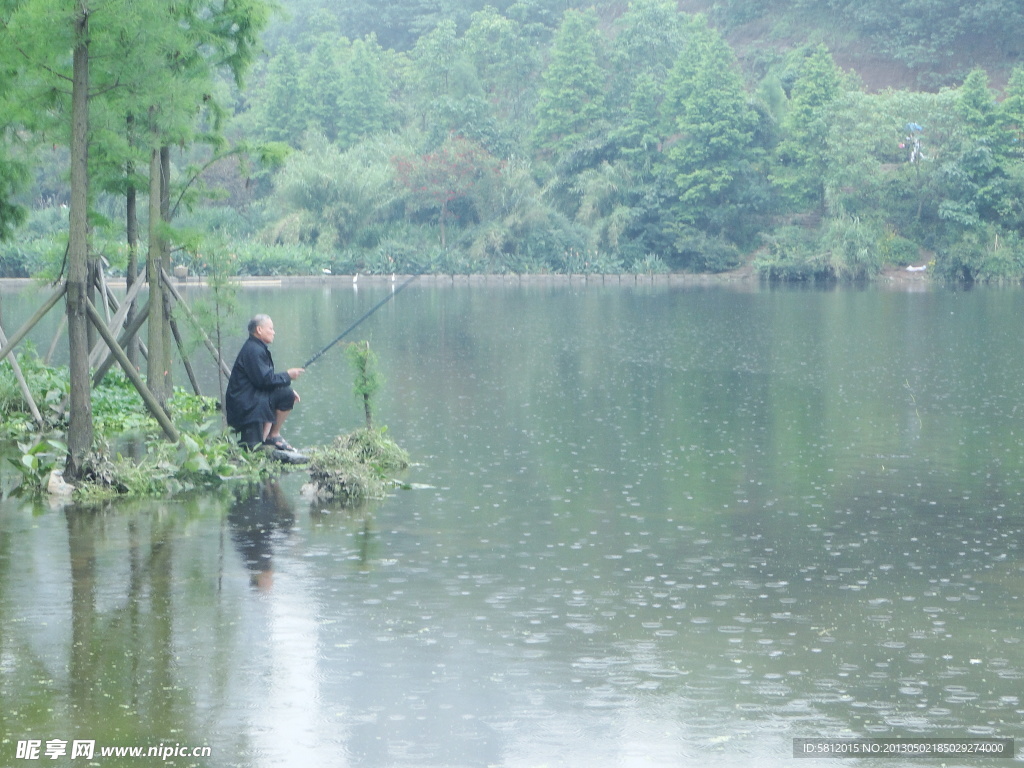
pixel 352 327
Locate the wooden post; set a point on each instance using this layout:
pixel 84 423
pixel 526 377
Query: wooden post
pixel 63 324
pixel 184 357
pixel 101 283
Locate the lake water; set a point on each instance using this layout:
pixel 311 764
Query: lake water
pixel 651 525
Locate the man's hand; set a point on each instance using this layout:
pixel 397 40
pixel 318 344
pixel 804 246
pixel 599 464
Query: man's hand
pixel 294 373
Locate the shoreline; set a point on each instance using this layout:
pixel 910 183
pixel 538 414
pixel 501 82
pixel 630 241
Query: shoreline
pixel 743 277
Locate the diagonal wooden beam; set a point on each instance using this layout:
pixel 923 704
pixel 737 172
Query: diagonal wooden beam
pixel 191 316
pixel 117 320
pixel 147 397
pixel 22 332
pixel 23 385
pixel 131 330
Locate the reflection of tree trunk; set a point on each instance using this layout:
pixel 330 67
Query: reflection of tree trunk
pixel 83 652
pixel 123 657
pixel 161 623
pixel 133 610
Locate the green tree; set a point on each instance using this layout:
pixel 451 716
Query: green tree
pixel 456 176
pixel 1010 122
pixel 505 63
pixel 571 95
pixel 332 198
pixel 712 157
pixel 13 177
pixel 972 167
pixel 637 135
pixel 80 415
pixel 647 41
pixel 13 174
pixel 1011 115
pixel 363 101
pixel 320 88
pixel 159 61
pixel 803 151
pixel 200 39
pixel 432 62
pixel 280 114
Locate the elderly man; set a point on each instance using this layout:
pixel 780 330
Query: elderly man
pixel 258 399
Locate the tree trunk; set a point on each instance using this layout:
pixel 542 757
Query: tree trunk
pixel 132 237
pixel 165 265
pixel 444 215
pixel 155 371
pixel 80 417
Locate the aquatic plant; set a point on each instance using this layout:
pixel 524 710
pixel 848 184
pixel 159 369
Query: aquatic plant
pixel 374 448
pixel 354 465
pixel 167 468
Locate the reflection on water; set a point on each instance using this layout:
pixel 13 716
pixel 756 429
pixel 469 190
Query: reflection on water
pixel 651 527
pixel 257 517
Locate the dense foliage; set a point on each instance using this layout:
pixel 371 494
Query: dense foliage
pixel 539 136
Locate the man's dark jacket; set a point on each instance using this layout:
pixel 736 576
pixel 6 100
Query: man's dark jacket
pixel 247 400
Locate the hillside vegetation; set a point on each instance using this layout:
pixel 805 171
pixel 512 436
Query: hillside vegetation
pixel 815 138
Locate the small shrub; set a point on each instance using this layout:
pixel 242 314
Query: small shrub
pixel 374 448
pixel 896 250
pixel 650 265
pixel 790 255
pixel 266 260
pixel 852 246
pixel 703 253
pixel 353 466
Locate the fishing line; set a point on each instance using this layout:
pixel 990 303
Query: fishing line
pixel 352 327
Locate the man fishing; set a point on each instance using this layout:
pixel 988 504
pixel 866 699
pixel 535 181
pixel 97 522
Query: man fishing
pixel 258 399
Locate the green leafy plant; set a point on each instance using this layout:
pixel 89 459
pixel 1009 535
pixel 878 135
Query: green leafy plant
pixel 36 462
pixel 47 385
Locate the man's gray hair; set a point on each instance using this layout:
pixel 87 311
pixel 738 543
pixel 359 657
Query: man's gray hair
pixel 257 321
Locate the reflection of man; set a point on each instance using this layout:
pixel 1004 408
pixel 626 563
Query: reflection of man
pixel 257 514
pixel 258 399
